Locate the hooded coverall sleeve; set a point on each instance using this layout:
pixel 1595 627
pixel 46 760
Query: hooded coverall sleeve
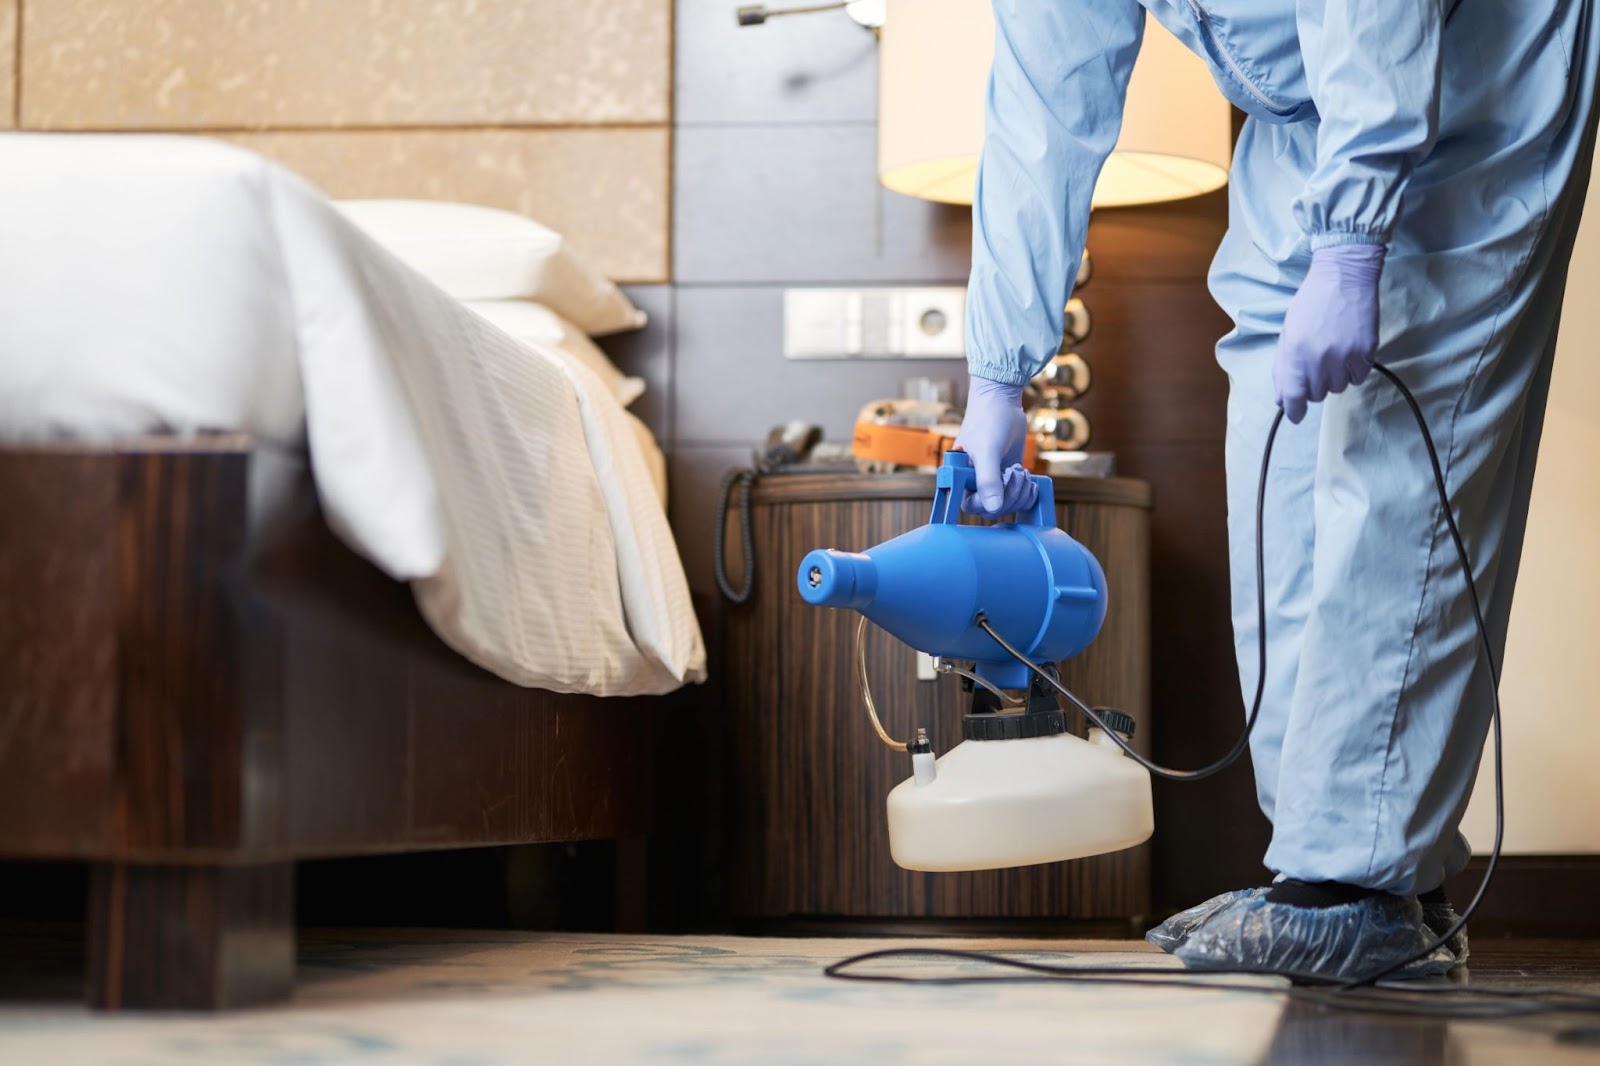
pixel 1373 68
pixel 1053 113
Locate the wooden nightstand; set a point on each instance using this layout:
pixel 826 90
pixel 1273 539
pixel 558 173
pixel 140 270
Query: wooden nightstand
pixel 809 777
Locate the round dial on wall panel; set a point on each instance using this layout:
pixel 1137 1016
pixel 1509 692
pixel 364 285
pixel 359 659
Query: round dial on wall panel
pixel 1064 379
pixel 1068 427
pixel 1085 271
pixel 1075 323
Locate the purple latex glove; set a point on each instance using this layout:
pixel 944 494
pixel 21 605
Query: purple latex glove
pixel 992 435
pixel 1330 332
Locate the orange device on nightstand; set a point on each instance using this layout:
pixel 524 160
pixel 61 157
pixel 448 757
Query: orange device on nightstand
pixel 918 445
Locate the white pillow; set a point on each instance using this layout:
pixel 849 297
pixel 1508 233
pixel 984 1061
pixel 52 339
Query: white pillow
pixel 481 253
pixel 536 324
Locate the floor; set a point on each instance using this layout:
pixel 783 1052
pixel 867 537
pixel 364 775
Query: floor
pixel 450 998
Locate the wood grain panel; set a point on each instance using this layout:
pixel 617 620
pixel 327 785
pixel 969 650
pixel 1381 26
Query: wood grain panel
pixel 348 765
pixel 171 692
pixel 328 638
pixel 484 777
pixel 599 767
pixel 58 651
pixel 496 764
pixel 181 532
pixel 843 485
pixel 254 64
pixel 605 189
pixel 397 742
pixel 190 937
pixel 809 776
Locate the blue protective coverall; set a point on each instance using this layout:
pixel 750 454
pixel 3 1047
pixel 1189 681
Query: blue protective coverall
pixel 1459 135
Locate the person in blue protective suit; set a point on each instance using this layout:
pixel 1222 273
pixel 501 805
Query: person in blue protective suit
pixel 1406 189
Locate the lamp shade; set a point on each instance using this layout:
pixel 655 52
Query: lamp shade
pixel 933 71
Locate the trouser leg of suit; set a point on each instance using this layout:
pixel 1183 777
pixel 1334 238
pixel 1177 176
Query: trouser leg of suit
pixel 1253 282
pixel 1390 699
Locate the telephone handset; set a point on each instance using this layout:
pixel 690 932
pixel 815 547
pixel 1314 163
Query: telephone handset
pixel 787 446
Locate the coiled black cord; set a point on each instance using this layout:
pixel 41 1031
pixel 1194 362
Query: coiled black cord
pixel 1354 993
pixel 744 479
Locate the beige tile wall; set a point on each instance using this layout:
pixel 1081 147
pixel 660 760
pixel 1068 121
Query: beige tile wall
pixel 606 189
pixel 8 55
pixel 230 64
pixel 557 108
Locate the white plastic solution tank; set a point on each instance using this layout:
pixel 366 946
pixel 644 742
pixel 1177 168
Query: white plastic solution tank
pixel 990 804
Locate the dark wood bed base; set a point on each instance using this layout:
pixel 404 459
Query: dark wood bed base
pixel 191 702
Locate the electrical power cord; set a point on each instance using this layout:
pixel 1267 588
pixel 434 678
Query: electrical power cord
pixel 1360 993
pixel 1456 1002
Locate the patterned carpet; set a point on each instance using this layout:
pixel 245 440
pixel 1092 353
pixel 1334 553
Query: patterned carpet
pixel 487 998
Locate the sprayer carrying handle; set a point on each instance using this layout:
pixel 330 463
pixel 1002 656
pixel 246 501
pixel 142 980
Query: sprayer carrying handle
pixel 956 478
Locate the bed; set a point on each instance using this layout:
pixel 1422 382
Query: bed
pixel 304 558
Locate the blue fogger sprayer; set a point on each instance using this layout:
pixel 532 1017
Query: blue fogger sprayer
pixel 984 601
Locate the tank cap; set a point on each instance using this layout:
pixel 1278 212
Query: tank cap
pixel 1013 726
pixel 1117 721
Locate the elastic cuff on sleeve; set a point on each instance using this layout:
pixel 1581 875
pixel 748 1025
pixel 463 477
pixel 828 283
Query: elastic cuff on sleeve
pixel 1005 375
pixel 1331 238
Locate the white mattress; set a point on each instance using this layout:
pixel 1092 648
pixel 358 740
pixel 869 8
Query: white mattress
pixel 170 283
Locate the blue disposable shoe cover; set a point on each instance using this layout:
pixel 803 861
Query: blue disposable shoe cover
pixel 1345 941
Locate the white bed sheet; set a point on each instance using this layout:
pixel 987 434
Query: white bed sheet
pixel 155 283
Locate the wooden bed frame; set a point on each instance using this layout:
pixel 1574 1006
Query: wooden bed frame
pixel 190 702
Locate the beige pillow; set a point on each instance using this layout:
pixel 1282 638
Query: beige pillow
pixel 482 253
pixel 535 323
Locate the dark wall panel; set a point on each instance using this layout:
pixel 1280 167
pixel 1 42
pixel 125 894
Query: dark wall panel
pixel 806 69
pixel 801 204
pixel 733 337
pixel 647 353
pixel 695 472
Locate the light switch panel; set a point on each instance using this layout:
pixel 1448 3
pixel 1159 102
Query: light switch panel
pixel 877 323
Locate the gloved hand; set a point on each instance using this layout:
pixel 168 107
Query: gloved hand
pixel 1330 332
pixel 992 434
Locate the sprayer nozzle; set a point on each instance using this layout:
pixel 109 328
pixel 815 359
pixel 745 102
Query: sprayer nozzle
pixel 830 578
